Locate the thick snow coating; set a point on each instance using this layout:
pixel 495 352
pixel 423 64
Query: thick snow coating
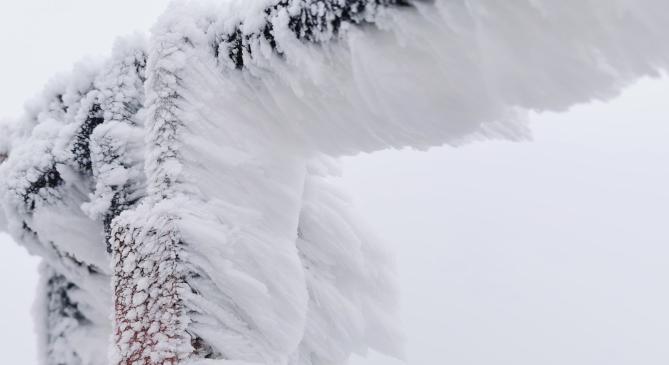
pixel 179 194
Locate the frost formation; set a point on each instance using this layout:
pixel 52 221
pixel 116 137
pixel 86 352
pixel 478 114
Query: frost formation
pixel 178 193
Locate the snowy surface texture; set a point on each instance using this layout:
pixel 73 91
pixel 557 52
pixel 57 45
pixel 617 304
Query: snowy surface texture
pixel 180 188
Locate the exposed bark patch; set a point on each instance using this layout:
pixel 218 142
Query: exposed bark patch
pixel 149 324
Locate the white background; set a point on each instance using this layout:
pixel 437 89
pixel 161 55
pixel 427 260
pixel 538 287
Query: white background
pixel 554 251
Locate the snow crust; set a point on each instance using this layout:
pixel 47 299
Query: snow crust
pixel 179 191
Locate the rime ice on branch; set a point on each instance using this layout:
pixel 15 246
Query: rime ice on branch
pixel 181 188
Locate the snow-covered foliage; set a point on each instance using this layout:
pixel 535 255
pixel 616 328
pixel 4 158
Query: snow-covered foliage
pixel 179 191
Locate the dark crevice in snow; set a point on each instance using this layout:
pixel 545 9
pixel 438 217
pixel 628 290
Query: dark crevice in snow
pixel 140 68
pixel 120 202
pixel 63 318
pixel 201 349
pixel 318 17
pixel 61 102
pixel 66 257
pixel 313 21
pixel 81 147
pixel 59 300
pixel 48 179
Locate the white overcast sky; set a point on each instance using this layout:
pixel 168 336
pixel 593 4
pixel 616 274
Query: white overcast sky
pixel 551 252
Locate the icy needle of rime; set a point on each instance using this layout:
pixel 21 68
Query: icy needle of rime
pixel 63 319
pixel 67 335
pixel 181 188
pixel 348 277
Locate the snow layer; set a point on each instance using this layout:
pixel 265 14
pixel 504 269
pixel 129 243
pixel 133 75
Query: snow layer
pixel 441 72
pixel 181 187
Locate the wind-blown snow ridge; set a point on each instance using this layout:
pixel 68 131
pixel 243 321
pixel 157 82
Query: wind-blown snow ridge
pixel 181 188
